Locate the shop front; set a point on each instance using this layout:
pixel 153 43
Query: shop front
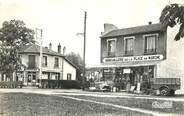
pixel 126 77
pixel 132 73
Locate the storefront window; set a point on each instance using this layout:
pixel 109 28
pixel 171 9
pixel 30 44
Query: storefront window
pixel 108 74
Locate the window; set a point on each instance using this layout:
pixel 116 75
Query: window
pixel 150 42
pixel 69 76
pixel 128 45
pixel 111 46
pixel 31 62
pixel 55 76
pixel 56 64
pixel 44 62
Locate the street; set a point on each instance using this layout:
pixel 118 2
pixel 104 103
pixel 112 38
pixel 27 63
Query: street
pixel 33 101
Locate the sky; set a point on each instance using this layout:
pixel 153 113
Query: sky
pixel 61 20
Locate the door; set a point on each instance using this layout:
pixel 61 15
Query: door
pixel 31 79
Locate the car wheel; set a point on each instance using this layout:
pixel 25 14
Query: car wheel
pixel 164 91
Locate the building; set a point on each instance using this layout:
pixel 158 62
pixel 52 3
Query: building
pixel 55 66
pixel 135 55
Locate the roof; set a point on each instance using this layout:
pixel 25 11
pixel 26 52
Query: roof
pixel 70 62
pixel 134 30
pixel 35 49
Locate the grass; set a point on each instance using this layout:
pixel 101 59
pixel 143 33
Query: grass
pixel 22 104
pixel 177 107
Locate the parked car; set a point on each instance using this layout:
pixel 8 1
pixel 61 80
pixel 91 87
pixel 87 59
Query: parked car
pixel 100 87
pixel 103 87
pixel 106 88
pixel 165 86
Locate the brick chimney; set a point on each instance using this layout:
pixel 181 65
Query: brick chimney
pixel 59 48
pixel 50 46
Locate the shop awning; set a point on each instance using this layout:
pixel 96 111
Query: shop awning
pixel 129 64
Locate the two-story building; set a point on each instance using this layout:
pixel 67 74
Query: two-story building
pixel 137 54
pixel 55 66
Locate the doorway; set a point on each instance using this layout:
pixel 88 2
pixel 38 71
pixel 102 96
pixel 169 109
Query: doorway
pixel 31 78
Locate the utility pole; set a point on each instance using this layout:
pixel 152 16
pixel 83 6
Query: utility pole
pixel 64 49
pixel 40 63
pixel 84 67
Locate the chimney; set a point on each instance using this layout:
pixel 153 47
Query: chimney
pixel 64 50
pixel 149 22
pixel 50 46
pixel 59 48
pixel 108 27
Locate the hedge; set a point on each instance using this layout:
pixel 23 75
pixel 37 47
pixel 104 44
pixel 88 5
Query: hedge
pixel 66 84
pixel 13 84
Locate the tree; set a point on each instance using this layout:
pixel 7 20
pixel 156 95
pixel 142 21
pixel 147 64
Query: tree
pixel 77 60
pixel 13 35
pixel 171 15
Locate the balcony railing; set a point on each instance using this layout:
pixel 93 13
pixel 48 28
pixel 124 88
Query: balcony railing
pixel 150 51
pixel 111 54
pixel 44 65
pixel 32 66
pixel 129 52
pixel 56 65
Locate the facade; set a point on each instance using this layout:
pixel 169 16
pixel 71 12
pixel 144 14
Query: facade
pixel 133 56
pixel 54 65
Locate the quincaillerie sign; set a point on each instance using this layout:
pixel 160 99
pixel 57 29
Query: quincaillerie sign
pixel 134 58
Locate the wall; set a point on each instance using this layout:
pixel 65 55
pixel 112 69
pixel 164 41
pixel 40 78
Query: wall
pixel 173 66
pixel 50 65
pixel 51 62
pixel 138 45
pixel 25 58
pixel 68 68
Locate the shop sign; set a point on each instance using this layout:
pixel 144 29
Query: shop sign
pixel 126 70
pixel 134 58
